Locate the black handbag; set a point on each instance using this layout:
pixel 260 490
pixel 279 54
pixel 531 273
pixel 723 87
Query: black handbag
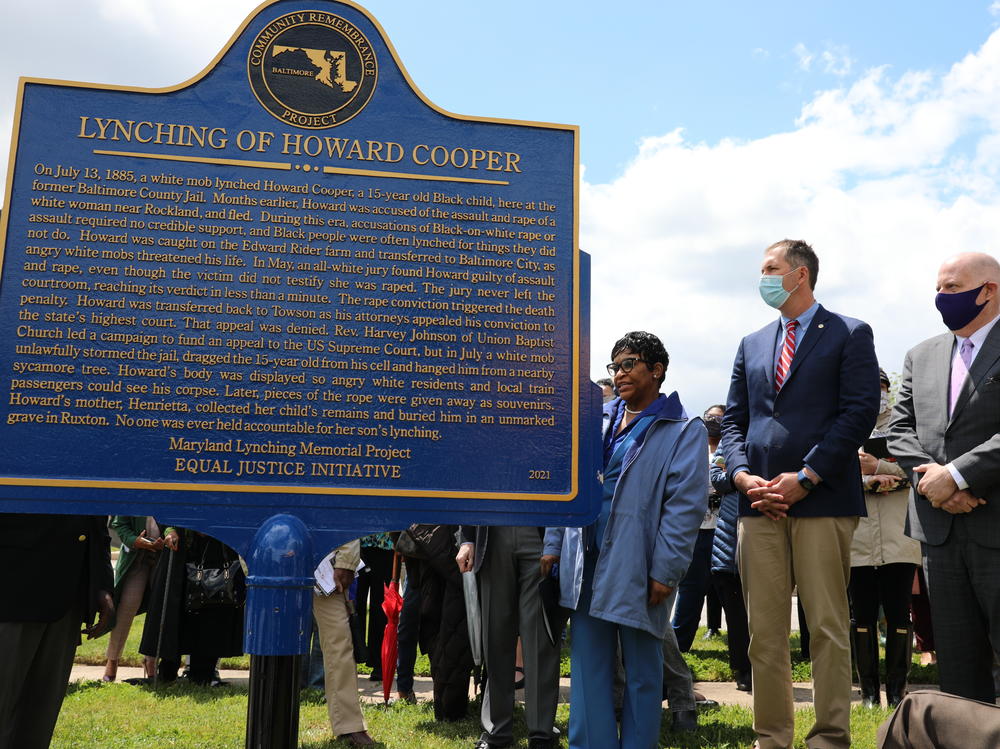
pixel 214 587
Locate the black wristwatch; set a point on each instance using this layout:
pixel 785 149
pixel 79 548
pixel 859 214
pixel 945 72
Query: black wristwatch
pixel 805 482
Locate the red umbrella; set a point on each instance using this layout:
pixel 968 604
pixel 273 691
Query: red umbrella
pixel 392 604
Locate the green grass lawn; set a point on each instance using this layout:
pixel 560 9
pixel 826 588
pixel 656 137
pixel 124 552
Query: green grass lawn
pixel 119 716
pixel 708 659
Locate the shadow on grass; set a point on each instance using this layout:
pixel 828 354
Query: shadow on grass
pixel 336 744
pixel 714 730
pixel 174 690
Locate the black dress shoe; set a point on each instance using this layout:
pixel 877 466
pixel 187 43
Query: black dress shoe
pixel 743 681
pixel 685 721
pixel 482 743
pixel 549 743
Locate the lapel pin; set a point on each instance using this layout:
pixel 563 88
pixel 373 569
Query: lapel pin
pixel 820 325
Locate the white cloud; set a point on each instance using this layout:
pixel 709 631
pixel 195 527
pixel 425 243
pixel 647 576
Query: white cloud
pixel 804 56
pixel 145 43
pixel 836 60
pixel 995 8
pixel 885 177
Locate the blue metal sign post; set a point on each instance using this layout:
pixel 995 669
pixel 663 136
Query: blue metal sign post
pixel 289 302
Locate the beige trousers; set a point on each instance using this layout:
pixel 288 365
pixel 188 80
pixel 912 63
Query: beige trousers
pixel 340 671
pixel 774 556
pixel 133 590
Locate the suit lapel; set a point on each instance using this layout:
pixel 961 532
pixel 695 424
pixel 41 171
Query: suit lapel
pixel 770 347
pixel 985 359
pixel 816 329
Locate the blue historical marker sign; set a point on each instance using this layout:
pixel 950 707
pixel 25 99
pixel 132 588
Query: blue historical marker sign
pixel 292 284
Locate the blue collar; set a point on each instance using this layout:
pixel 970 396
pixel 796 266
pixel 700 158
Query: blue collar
pixel 805 319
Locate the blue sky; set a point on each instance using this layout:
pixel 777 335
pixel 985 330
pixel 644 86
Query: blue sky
pixel 708 131
pixel 629 70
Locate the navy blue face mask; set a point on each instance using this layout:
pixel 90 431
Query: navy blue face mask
pixel 958 310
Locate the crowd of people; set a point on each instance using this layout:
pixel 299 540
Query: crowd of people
pixel 814 477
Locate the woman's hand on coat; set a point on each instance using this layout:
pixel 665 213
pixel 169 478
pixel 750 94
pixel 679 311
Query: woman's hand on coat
pixel 658 592
pixel 546 564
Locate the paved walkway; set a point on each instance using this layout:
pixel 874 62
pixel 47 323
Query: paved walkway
pixel 724 692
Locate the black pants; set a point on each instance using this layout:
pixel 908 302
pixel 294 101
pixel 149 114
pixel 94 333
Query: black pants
pixel 409 628
pixel 920 610
pixel 888 585
pixel 963 582
pixel 201 669
pixel 730 592
pixel 35 664
pixel 371 591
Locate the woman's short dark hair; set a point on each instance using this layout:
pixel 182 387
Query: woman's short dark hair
pixel 649 348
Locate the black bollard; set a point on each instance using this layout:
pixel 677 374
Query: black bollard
pixel 278 625
pixel 273 705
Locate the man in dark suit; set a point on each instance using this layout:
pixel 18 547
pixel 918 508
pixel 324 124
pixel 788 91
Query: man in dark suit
pixel 55 574
pixel 804 395
pixel 506 559
pixel 945 430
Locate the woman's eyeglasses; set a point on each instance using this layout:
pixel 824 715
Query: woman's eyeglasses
pixel 625 365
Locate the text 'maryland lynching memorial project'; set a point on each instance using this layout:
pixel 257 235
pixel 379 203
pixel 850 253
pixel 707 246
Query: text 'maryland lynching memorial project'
pixel 292 287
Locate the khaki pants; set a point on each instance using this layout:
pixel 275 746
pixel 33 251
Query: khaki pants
pixel 338 664
pixel 774 556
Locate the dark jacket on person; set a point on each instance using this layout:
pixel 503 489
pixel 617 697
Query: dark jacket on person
pixel 823 412
pixel 480 536
pixel 724 541
pixel 216 632
pixel 444 631
pixel 48 563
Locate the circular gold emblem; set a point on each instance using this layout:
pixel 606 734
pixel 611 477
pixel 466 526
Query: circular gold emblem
pixel 312 69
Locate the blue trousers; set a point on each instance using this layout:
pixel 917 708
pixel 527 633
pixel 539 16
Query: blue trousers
pixel 593 651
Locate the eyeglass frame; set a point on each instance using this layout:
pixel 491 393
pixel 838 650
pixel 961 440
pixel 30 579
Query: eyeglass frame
pixel 613 367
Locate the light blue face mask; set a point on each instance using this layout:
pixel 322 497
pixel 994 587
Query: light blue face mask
pixel 772 291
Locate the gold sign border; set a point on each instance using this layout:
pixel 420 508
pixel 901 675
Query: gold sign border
pixel 285 489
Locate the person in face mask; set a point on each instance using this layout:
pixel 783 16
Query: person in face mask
pixel 883 561
pixel 945 432
pixel 803 397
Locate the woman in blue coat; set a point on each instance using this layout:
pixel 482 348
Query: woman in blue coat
pixel 619 575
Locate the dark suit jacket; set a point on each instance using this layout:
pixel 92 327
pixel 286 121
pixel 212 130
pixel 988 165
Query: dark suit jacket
pixel 922 432
pixel 823 413
pixel 50 562
pixel 480 536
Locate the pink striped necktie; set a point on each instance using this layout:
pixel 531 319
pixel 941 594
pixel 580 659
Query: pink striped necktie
pixel 787 353
pixel 959 372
